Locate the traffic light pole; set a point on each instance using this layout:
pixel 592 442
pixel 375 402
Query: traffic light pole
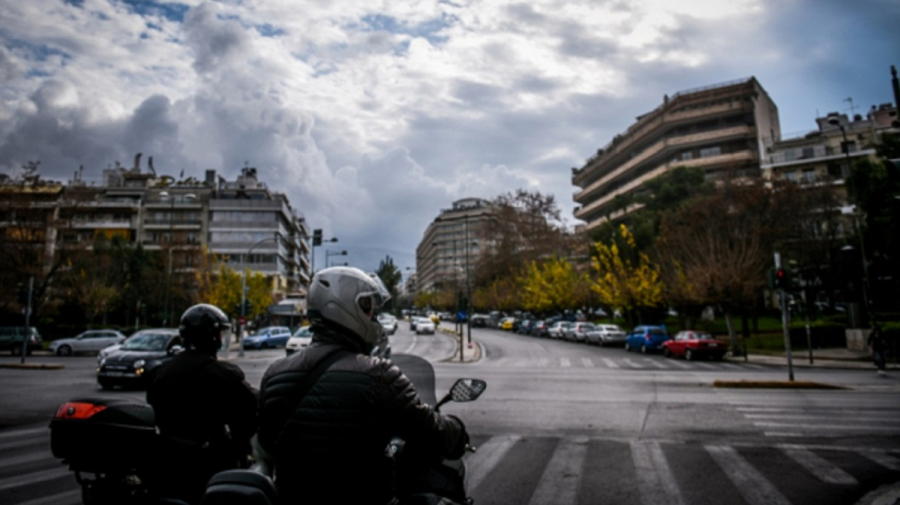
pixel 784 321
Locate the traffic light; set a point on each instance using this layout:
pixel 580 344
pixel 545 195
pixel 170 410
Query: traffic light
pixel 781 278
pixel 317 237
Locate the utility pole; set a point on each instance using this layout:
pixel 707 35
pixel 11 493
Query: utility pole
pixel 784 321
pixel 27 335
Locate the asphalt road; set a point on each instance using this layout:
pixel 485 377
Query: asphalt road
pixel 565 423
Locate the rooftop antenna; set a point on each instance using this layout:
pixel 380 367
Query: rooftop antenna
pixel 852 107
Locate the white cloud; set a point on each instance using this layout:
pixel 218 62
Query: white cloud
pixel 373 116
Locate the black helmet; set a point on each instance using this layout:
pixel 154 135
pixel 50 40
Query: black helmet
pixel 203 326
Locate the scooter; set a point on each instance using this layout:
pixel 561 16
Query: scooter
pixel 418 484
pixel 119 458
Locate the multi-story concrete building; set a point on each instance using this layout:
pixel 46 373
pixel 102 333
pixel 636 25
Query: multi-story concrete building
pixel 241 222
pixel 822 156
pixel 720 128
pixel 450 246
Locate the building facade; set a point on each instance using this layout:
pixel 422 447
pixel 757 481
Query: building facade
pixel 722 129
pixel 450 246
pixel 242 222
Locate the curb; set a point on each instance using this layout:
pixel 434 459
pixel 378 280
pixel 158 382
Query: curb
pixel 33 366
pixel 774 385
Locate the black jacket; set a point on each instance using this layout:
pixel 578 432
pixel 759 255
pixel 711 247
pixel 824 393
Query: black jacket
pixel 331 447
pixel 194 398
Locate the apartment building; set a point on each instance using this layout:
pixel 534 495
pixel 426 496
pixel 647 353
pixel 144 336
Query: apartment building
pixel 242 221
pixel 723 128
pixel 450 246
pixel 824 155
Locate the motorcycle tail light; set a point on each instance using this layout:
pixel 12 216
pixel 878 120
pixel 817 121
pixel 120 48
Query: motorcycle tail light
pixel 78 410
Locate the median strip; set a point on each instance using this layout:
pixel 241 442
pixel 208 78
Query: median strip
pixel 33 366
pixel 774 385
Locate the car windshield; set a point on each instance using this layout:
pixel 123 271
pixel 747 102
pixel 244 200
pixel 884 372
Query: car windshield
pixel 588 326
pixel 147 342
pixel 303 332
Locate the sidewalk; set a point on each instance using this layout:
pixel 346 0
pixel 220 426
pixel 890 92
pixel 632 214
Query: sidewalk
pixel 822 358
pixel 471 351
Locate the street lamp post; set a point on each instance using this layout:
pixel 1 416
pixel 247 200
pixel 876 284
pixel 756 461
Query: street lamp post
pixel 851 210
pixel 329 254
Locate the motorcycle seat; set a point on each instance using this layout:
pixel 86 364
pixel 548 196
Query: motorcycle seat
pixel 239 486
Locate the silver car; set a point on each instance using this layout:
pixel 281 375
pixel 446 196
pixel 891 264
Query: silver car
pixel 88 341
pixel 606 334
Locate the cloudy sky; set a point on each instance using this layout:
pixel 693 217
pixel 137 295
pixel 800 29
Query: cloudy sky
pixel 374 115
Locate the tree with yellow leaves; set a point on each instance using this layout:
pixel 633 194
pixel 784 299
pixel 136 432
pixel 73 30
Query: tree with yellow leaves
pixel 222 287
pixel 551 286
pixel 626 279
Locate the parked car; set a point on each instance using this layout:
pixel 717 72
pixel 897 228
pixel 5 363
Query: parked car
pixel 11 338
pixel 389 323
pixel 578 331
pixel 268 337
pixel 694 344
pixel 506 323
pixel 480 321
pixel 86 341
pixel 524 327
pixel 646 338
pixel 425 325
pixel 300 339
pixel 137 357
pixel 557 329
pixel 607 334
pixel 539 329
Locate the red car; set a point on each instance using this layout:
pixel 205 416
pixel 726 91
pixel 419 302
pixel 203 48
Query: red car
pixel 694 344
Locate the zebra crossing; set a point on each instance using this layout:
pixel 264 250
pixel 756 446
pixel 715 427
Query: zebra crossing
pixel 621 363
pixel 655 472
pixel 571 469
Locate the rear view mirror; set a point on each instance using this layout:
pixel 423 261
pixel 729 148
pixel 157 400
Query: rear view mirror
pixel 175 349
pixel 464 390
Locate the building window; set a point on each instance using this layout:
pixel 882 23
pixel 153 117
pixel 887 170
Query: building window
pixel 687 155
pixel 792 176
pixel 809 176
pixel 710 151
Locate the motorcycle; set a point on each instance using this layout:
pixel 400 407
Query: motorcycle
pixel 119 458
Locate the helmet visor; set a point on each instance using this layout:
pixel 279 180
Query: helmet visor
pixel 371 301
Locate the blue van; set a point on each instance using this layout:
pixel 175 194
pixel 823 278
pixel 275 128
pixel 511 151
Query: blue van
pixel 646 338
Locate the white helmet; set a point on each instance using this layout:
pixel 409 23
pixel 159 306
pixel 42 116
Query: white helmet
pixel 349 298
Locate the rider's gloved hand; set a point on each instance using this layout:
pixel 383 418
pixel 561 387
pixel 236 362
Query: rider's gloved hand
pixel 463 440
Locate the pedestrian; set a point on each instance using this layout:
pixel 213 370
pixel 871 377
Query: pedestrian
pixel 878 345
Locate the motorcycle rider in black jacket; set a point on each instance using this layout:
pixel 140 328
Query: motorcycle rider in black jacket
pixel 205 409
pixel 329 445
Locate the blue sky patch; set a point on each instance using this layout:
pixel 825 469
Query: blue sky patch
pixel 36 52
pixel 427 30
pixel 74 3
pixel 267 30
pixel 171 11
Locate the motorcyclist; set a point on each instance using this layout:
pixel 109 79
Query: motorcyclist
pixel 205 409
pixel 329 444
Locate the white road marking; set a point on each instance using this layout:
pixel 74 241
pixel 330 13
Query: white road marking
pixel 855 420
pixel 564 362
pixel 883 459
pixel 678 363
pixel 630 363
pixel 25 432
pixel 587 362
pixel 655 363
pixel 705 365
pixel 543 362
pixel 409 349
pixel 25 458
pixel 73 497
pixel 752 485
pixel 489 454
pixel 818 466
pixel 610 363
pixel 730 365
pixel 33 478
pixel 562 477
pixel 656 482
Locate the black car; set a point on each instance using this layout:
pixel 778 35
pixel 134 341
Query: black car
pixel 140 354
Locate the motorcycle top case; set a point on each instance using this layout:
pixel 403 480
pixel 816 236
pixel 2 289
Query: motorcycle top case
pixel 100 435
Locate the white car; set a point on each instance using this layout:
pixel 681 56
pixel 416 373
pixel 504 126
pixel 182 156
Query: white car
pixel 300 339
pixel 606 334
pixel 389 323
pixel 88 341
pixel 424 325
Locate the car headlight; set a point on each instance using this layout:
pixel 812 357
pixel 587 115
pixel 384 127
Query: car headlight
pixel 139 364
